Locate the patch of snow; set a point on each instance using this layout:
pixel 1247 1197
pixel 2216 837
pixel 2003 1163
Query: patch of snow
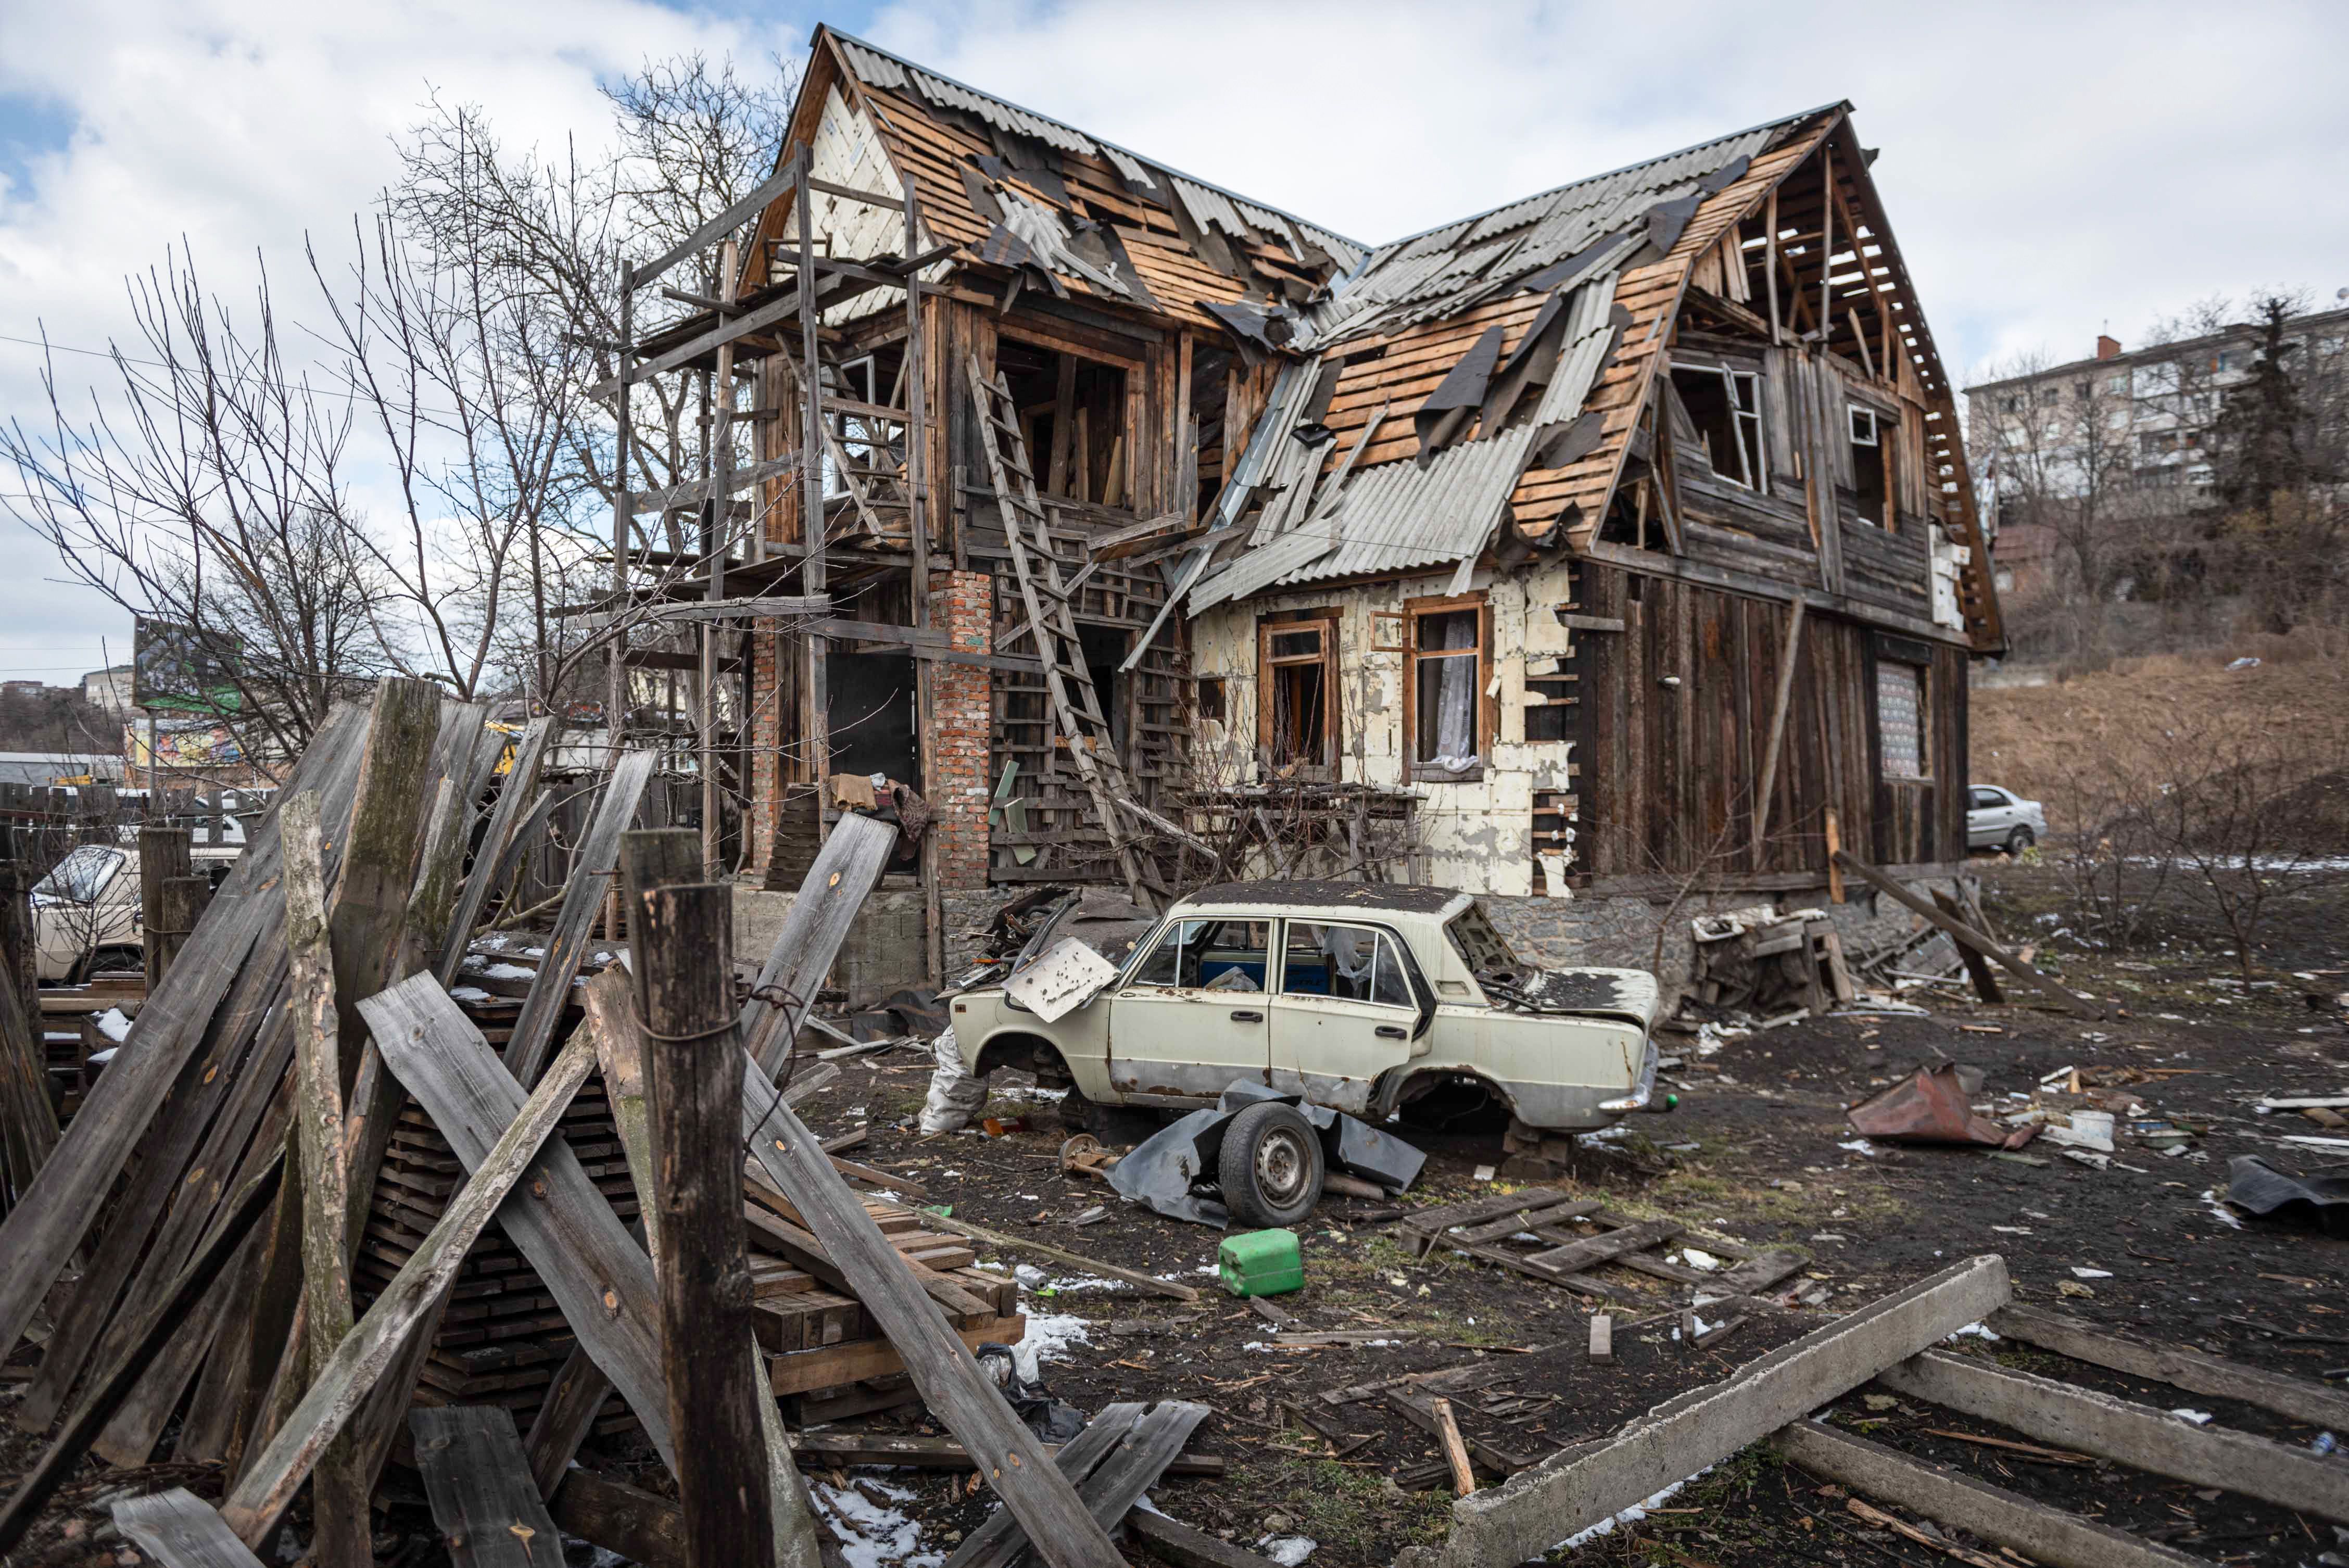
pixel 509 972
pixel 99 1058
pixel 1288 1551
pixel 2200 1417
pixel 1631 1515
pixel 1049 1336
pixel 467 994
pixel 2079 1272
pixel 2219 1209
pixel 1861 1147
pixel 1067 1284
pixel 871 1535
pixel 1975 1330
pixel 1699 1260
pixel 113 1024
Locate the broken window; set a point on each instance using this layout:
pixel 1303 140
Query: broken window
pixel 1221 955
pixel 1872 438
pixel 1447 711
pixel 1211 699
pixel 1900 720
pixel 1297 686
pixel 1072 414
pixel 1725 406
pixel 1356 963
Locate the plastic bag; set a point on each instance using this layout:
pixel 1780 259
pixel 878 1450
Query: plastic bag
pixel 955 1095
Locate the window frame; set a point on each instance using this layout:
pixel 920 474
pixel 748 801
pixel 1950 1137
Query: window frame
pixel 1405 970
pixel 1922 675
pixel 1333 730
pixel 1486 708
pixel 1753 463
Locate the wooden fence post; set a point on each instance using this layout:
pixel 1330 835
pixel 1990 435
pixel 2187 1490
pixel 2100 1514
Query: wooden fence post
pixel 183 901
pixel 163 853
pixel 681 937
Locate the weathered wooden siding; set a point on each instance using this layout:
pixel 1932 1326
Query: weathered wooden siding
pixel 1674 718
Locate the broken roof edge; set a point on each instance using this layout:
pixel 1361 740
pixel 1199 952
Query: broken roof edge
pixel 1840 106
pixel 826 29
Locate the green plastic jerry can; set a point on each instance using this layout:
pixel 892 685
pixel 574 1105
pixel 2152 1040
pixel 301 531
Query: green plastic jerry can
pixel 1260 1262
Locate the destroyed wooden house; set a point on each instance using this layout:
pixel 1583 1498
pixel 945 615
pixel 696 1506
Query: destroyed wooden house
pixel 1614 540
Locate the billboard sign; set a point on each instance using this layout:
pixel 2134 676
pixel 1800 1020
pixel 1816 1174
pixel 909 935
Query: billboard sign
pixel 172 671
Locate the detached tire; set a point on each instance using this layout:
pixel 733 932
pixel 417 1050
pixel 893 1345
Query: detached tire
pixel 1270 1166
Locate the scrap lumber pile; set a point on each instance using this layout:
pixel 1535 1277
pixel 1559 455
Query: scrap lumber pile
pixel 311 1219
pixel 1547 1235
pixel 1767 962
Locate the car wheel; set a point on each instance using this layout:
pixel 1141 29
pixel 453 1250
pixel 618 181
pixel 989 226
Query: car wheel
pixel 1270 1166
pixel 2019 841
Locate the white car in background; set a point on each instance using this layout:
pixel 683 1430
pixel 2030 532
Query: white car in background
pixel 1999 819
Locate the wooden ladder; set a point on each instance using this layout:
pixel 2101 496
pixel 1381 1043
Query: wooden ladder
pixel 1076 705
pixel 879 496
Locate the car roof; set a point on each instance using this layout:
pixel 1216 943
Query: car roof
pixel 1363 897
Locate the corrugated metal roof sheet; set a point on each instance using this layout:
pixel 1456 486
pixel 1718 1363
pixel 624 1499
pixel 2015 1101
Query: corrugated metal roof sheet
pixel 1445 270
pixel 1401 516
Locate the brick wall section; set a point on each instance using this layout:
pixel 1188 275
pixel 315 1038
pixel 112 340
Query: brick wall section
pixel 963 608
pixel 766 742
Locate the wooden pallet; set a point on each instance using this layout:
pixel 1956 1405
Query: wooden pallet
pixel 1570 1236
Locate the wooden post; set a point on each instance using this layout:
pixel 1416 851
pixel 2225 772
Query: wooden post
pixel 1770 265
pixel 693 1082
pixel 340 1512
pixel 1455 1451
pixel 817 742
pixel 717 541
pixel 183 899
pixel 19 940
pixel 1788 658
pixel 917 391
pixel 163 853
pixel 1834 828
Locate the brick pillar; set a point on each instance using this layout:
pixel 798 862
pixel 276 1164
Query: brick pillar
pixel 965 610
pixel 766 750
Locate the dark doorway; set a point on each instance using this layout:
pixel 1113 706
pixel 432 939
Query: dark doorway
pixel 1105 649
pixel 873 715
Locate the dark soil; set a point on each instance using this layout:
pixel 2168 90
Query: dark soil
pixel 1753 1153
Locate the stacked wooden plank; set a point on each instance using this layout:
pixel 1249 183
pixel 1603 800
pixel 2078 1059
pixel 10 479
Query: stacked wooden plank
pixel 1552 1237
pixel 503 1338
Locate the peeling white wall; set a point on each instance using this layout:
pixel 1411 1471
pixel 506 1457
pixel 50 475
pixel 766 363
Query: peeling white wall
pixel 1478 835
pixel 847 151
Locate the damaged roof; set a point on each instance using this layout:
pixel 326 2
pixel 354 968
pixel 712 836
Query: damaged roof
pixel 1488 373
pixel 1076 214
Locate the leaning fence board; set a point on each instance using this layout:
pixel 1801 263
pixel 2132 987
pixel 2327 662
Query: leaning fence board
pixel 66 1450
pixel 999 1539
pixel 490 1514
pixel 2192 1370
pixel 958 1391
pixel 2152 1440
pixel 639 1526
pixel 513 796
pixel 270 1481
pixel 844 873
pixel 1968 937
pixel 48 1222
pixel 1572 1491
pixel 591 874
pixel 2055 1536
pixel 179 1529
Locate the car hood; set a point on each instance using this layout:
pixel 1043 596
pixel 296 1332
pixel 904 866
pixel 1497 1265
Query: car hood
pixel 1631 994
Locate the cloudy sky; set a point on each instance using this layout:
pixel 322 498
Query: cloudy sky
pixel 2051 172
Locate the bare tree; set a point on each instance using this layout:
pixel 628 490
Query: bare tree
pixel 205 487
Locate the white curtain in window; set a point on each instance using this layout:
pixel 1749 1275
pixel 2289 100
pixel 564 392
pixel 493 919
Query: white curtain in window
pixel 1455 731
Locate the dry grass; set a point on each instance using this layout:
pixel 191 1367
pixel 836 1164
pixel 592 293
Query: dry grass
pixel 2030 739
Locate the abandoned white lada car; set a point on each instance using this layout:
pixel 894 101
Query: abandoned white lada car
pixel 1365 998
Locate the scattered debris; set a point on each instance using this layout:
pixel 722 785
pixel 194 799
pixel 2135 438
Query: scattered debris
pixel 2259 1189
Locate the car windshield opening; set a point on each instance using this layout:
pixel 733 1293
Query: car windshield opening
pixel 81 876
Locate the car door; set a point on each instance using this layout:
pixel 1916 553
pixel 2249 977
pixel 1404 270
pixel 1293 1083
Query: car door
pixel 1189 1017
pixel 1986 820
pixel 1347 1010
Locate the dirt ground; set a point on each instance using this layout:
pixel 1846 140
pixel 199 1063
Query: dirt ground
pixel 1755 1152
